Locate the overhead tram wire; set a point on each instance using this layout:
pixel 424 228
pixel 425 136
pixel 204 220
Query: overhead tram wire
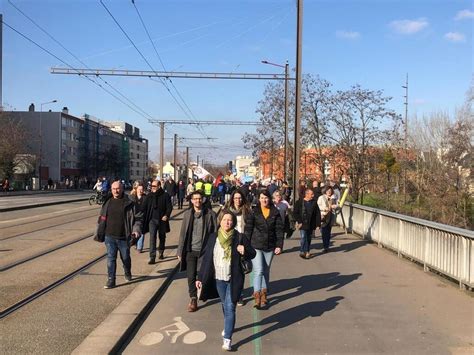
pixel 143 57
pixel 143 112
pixel 68 65
pixel 161 61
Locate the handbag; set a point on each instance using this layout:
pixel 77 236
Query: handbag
pixel 246 265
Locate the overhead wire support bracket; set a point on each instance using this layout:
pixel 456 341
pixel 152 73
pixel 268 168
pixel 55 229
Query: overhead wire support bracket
pixel 166 74
pixel 225 123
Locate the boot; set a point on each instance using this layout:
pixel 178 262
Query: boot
pixel 160 256
pixel 263 297
pixel 256 297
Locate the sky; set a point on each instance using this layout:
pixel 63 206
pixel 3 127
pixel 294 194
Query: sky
pixel 374 43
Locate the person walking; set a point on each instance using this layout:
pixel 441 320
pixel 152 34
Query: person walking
pixel 181 193
pixel 327 206
pixel 157 209
pixel 137 195
pixel 118 222
pixel 264 229
pixel 189 191
pixel 221 274
pixel 308 218
pixel 239 207
pixel 198 223
pixel 171 189
pixel 284 208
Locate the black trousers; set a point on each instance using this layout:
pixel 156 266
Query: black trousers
pixel 154 230
pixel 192 258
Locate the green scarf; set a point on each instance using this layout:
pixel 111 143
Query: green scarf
pixel 225 239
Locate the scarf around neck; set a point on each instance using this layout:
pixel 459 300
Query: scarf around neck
pixel 225 240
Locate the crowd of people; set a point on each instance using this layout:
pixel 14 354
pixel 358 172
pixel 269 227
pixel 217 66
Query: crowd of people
pixel 250 225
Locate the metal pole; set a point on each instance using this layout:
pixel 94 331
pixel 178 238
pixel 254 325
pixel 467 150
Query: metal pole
pixel 187 164
pixel 285 162
pixel 41 144
pixel 271 162
pixel 296 153
pixel 162 151
pixel 406 142
pixel 175 157
pixel 197 160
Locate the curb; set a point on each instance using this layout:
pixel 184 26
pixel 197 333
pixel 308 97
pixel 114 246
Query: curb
pixel 25 207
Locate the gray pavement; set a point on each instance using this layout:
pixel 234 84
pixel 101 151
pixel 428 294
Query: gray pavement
pixel 14 202
pixel 356 299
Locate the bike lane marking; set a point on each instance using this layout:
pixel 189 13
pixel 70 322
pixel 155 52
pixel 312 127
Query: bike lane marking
pixel 257 343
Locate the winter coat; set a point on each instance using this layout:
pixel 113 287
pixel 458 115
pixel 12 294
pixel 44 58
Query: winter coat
pixel 209 227
pixel 160 202
pixel 264 234
pixel 207 271
pixel 132 220
pixel 310 218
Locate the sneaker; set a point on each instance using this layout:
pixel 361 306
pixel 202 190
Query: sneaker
pixel 307 256
pixel 128 276
pixel 222 333
pixel 110 284
pixel 227 344
pixel 241 302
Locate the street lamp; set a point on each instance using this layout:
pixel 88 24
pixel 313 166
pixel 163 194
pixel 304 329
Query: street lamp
pixel 41 137
pixel 285 164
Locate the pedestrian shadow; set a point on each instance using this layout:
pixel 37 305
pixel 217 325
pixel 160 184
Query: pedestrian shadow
pixel 304 284
pixel 290 316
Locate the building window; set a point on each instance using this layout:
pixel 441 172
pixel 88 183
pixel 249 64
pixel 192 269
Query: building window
pixel 138 164
pixel 138 156
pixel 138 173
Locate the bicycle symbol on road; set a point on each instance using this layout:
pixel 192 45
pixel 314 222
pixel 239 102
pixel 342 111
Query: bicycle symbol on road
pixel 180 328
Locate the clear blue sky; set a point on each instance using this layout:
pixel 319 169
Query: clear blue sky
pixel 370 42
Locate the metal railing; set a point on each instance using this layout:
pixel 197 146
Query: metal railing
pixel 448 250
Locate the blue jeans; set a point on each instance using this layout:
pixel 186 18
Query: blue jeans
pixel 228 307
pixel 305 241
pixel 261 269
pixel 326 235
pixel 140 242
pixel 113 245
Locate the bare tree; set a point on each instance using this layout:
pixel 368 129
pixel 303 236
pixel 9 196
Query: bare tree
pixel 360 119
pixel 14 140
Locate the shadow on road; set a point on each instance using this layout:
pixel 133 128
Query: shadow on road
pixel 290 316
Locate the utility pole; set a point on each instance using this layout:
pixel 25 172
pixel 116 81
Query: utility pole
pixel 162 144
pixel 175 157
pixel 272 157
pixel 187 164
pixel 197 160
pixel 296 154
pixel 285 162
pixel 405 142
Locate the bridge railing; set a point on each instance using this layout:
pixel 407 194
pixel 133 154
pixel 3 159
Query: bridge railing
pixel 448 250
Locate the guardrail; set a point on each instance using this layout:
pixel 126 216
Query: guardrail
pixel 448 250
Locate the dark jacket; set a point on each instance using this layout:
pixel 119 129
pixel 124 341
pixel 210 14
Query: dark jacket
pixel 156 206
pixel 170 187
pixel 209 227
pixel 207 271
pixel 132 220
pixel 264 234
pixel 310 218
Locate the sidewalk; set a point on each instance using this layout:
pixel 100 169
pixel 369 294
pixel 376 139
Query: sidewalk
pixel 355 299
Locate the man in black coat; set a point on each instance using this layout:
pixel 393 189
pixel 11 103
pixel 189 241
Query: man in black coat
pixel 157 208
pixel 308 218
pixel 198 223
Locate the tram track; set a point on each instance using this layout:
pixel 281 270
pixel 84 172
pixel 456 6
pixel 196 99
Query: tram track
pixel 48 227
pixel 60 213
pixel 42 253
pixel 18 305
pixel 44 290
